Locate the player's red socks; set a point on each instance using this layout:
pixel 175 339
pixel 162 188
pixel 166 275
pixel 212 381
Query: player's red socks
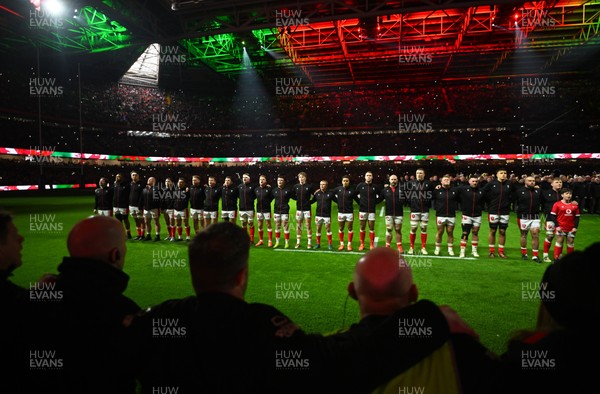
pixel 523 250
pixel 252 234
pixel 557 251
pixel 372 237
pixel 463 243
pixel 362 237
pixel 187 231
pixel 350 236
pixel 570 249
pixel 341 236
pixel 547 245
pixel 423 240
pixel 318 239
pixel 412 237
pixel 329 238
pixel 270 235
pixel 534 252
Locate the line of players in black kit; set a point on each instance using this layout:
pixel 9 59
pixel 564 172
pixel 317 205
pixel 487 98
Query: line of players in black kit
pixel 200 202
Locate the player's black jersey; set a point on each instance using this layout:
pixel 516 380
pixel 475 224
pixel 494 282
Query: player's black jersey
pixel 150 197
pixel 548 198
pixel 419 194
pixel 498 195
pixel 394 200
pixel 323 200
pixel 182 198
pixel 369 196
pixel 528 202
pixel 446 201
pixel 229 197
pixel 246 196
pixel 470 200
pixel 197 197
pixel 303 194
pixel 263 199
pixel 211 198
pixel 344 198
pixel 135 194
pixel 120 195
pixel 282 200
pixel 167 197
pixel 103 197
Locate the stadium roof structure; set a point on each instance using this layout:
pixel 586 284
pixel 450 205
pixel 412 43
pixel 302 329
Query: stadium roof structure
pixel 328 43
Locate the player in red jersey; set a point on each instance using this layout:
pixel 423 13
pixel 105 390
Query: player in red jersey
pixel 565 216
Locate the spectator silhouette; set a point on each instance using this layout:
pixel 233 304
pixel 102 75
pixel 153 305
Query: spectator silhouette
pixel 550 359
pixel 84 310
pixel 217 342
pixel 14 306
pixel 383 284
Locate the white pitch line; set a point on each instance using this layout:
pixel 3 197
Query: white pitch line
pixel 407 256
pixel 381 212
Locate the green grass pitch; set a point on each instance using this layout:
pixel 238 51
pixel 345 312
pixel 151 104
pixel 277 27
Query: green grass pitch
pixel 495 296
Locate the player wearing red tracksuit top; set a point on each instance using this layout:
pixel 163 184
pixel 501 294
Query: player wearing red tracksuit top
pixel 565 216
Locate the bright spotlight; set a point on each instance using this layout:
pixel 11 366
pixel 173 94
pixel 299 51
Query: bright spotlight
pixel 53 7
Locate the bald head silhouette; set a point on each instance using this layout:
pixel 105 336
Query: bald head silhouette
pixel 383 283
pixel 100 238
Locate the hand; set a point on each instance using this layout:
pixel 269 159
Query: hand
pixel 95 211
pixel 438 187
pixel 574 230
pixel 456 323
